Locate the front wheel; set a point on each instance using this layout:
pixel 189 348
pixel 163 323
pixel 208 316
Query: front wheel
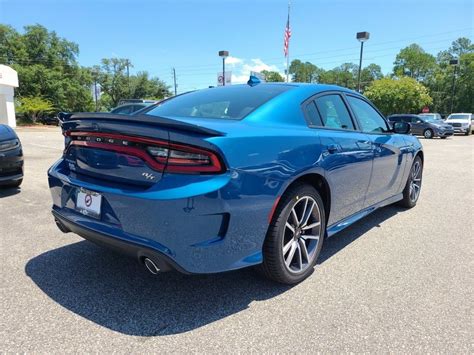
pixel 412 189
pixel 295 236
pixel 428 134
pixel 468 131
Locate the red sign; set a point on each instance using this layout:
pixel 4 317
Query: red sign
pixel 426 109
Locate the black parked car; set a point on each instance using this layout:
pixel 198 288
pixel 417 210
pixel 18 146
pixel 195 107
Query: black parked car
pixel 49 120
pixel 11 158
pixel 425 126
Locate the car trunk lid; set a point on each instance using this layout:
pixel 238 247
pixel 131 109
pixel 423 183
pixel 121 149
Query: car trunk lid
pixel 132 150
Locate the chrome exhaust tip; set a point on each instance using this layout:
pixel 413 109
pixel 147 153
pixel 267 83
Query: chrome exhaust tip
pixel 151 266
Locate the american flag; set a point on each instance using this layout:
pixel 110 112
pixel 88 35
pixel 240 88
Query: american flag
pixel 286 41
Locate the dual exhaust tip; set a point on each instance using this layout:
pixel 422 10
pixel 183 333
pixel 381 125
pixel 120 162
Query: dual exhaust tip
pixel 151 266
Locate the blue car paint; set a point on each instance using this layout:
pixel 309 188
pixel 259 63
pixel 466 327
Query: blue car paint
pixel 214 223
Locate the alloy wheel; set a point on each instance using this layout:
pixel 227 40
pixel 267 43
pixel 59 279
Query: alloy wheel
pixel 415 183
pixel 302 234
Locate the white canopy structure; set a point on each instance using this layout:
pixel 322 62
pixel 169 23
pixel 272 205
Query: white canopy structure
pixel 8 81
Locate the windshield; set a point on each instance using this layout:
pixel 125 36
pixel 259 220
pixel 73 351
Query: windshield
pixel 458 117
pixel 230 102
pixel 430 119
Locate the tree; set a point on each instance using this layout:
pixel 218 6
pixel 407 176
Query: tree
pixel 346 75
pixel 117 85
pixel 113 79
pixel 404 95
pixel 47 67
pixel 34 107
pixel 304 72
pixel 272 76
pixel 441 82
pixel 369 74
pixel 414 62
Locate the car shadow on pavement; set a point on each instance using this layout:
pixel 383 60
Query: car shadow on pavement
pixel 9 191
pixel 340 240
pixel 116 292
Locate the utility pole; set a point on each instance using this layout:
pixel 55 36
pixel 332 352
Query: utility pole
pixel 455 63
pixel 127 63
pixel 175 85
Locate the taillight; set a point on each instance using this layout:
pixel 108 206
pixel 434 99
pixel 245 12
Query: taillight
pixel 188 159
pixel 160 155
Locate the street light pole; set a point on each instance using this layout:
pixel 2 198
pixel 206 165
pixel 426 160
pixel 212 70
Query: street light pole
pixel 455 63
pixel 361 37
pixel 223 55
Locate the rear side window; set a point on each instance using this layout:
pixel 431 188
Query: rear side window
pixel 312 114
pixel 334 112
pixel 395 119
pixel 369 119
pixel 230 102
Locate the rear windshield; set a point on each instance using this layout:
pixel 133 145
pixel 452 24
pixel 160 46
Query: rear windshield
pixel 230 102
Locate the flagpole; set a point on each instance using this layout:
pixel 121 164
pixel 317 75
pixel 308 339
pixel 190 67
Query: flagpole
pixel 288 51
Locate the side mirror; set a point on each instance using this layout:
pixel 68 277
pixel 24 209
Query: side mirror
pixel 401 127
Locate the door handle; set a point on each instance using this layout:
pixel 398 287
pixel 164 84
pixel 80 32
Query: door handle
pixel 333 148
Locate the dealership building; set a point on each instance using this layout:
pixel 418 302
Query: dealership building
pixel 8 82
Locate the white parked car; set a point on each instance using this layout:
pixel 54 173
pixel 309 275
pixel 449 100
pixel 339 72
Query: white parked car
pixel 461 122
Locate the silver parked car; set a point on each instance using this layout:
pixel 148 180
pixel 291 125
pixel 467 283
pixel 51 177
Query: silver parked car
pixel 461 122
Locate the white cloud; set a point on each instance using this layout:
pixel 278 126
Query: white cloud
pixel 233 60
pixel 242 69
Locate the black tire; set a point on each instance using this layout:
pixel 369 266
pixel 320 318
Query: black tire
pixel 468 131
pixel 274 266
pixel 443 137
pixel 12 184
pixel 428 133
pixel 408 201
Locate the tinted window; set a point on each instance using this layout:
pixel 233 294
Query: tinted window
pixel 370 120
pixel 395 119
pixel 230 102
pixel 334 112
pixel 406 119
pixel 313 115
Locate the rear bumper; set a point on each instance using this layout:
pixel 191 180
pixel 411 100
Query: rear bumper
pixel 196 224
pixel 134 250
pixel 11 166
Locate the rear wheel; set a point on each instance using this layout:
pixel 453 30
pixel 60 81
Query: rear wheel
pixel 428 133
pixel 443 137
pixel 295 236
pixel 413 186
pixel 468 131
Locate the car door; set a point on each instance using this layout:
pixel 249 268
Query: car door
pixel 347 155
pixel 417 125
pixel 389 152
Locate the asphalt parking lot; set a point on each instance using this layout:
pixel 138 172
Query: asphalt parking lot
pixel 398 281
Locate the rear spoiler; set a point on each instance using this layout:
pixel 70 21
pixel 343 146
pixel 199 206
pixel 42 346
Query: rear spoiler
pixel 70 120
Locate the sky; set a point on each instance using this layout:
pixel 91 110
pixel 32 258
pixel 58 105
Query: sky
pixel 187 35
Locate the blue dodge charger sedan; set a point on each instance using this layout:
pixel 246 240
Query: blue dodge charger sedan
pixel 224 178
